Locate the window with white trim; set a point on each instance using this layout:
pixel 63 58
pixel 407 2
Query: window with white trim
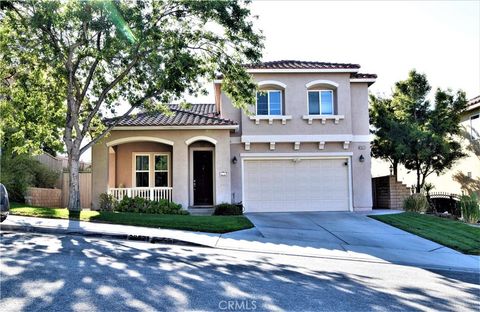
pixel 142 170
pixel 320 102
pixel 151 170
pixel 269 102
pixel 161 170
pixel 475 127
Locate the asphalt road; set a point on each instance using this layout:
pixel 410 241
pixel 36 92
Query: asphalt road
pixel 73 273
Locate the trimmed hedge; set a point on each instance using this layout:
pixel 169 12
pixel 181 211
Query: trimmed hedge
pixel 141 205
pixel 226 209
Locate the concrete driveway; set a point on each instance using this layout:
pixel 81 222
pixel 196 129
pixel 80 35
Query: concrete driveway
pixel 339 229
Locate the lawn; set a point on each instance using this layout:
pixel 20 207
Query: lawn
pixel 450 233
pixel 211 224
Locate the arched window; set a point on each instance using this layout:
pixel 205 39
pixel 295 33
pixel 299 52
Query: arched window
pixel 270 98
pixel 321 97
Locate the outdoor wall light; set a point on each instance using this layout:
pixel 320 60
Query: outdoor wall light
pixel 234 160
pixel 361 158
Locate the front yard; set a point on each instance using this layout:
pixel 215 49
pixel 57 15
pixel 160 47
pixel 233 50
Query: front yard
pixel 211 224
pixel 450 233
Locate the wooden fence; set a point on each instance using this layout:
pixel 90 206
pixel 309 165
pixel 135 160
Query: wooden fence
pixel 85 189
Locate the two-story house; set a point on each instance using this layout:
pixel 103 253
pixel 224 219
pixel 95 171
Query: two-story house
pixel 304 148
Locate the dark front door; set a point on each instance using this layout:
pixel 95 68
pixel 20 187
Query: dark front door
pixel 202 178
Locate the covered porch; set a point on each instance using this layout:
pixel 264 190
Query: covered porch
pixel 185 167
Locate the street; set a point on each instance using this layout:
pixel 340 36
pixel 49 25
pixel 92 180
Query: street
pixel 74 273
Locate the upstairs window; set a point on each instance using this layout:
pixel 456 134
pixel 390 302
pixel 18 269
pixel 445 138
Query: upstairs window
pixel 320 102
pixel 269 102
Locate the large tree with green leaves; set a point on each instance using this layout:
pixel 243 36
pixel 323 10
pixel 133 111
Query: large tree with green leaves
pixel 140 53
pixel 416 133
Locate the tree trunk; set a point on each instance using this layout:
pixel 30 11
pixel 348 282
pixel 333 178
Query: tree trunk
pixel 418 186
pixel 395 168
pixel 74 183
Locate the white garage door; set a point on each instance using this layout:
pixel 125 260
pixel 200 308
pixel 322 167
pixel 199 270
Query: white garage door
pixel 301 185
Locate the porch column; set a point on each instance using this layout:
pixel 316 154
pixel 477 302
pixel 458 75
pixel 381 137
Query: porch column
pixel 223 167
pixel 180 173
pixel 99 172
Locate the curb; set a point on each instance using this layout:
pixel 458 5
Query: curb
pixel 128 237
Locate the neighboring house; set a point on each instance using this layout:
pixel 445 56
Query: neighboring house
pixel 469 165
pixel 305 148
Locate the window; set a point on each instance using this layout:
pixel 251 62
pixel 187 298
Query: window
pixel 151 170
pixel 161 170
pixel 142 172
pixel 320 102
pixel 269 102
pixel 475 127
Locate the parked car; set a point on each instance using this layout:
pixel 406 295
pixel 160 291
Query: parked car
pixel 4 203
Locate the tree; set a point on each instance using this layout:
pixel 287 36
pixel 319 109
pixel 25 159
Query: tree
pixel 139 53
pixel 469 184
pixel 388 142
pixel 411 132
pixel 31 121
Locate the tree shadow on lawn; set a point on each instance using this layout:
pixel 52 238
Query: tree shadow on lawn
pixel 75 273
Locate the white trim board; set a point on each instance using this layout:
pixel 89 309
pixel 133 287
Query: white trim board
pixel 305 138
pixel 316 82
pixel 296 155
pixel 363 80
pixel 139 139
pixel 271 82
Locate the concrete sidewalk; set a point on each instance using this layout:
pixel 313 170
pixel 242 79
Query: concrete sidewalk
pixel 251 240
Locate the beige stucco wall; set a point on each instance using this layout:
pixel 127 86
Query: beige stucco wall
pixel 445 181
pixel 296 105
pixel 179 162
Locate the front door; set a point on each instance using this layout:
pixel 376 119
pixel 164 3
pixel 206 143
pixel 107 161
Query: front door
pixel 202 178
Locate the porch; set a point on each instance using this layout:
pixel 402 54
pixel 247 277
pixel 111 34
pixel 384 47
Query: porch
pixel 183 169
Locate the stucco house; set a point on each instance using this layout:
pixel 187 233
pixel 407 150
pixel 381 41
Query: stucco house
pixel 469 165
pixel 305 148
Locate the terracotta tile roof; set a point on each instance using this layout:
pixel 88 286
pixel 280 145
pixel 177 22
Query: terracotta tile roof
pixel 474 101
pixel 195 115
pixel 362 76
pixel 292 64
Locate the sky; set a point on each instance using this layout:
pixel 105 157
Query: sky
pixel 438 38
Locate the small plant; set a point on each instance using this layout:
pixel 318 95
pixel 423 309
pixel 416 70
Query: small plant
pixel 470 208
pixel 225 209
pixel 107 202
pixel 141 205
pixel 416 203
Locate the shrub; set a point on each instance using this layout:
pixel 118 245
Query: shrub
pixel 470 208
pixel 141 205
pixel 107 202
pixel 18 172
pixel 225 209
pixel 416 203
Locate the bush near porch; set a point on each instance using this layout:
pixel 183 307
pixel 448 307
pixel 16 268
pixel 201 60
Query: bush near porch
pixel 211 224
pixel 140 205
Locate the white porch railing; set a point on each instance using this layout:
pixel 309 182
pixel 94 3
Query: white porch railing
pixel 151 193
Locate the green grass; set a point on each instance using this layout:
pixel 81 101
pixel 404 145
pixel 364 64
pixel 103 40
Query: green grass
pixel 211 224
pixel 450 233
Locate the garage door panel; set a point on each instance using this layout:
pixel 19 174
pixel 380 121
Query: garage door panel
pixel 305 185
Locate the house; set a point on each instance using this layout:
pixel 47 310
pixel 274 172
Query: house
pixel 305 148
pixel 469 165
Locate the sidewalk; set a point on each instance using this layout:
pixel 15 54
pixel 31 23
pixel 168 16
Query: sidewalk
pixel 250 240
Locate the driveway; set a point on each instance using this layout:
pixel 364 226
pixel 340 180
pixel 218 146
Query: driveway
pixel 331 229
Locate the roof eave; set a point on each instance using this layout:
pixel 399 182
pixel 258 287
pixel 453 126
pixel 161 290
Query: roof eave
pixel 299 70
